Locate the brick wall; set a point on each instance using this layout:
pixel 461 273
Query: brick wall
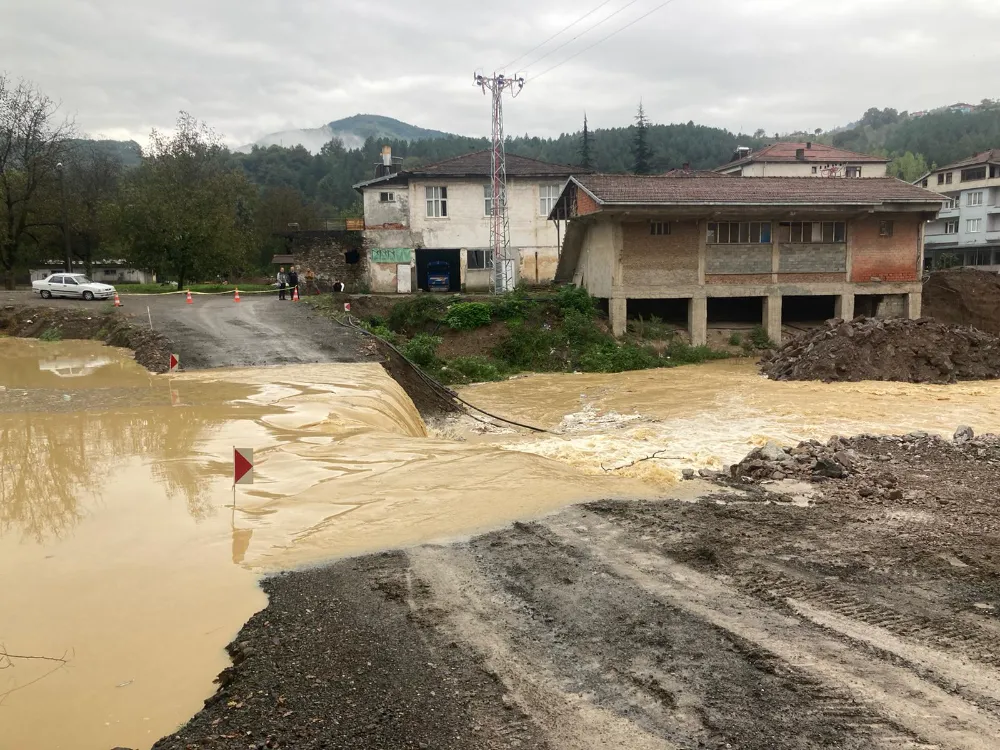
pixel 738 259
pixel 327 253
pixel 815 258
pixel 885 258
pixel 810 278
pixel 585 204
pixel 660 260
pixel 760 278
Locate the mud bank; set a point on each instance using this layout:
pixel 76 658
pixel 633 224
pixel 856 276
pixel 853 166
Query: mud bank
pixel 152 349
pixel 768 616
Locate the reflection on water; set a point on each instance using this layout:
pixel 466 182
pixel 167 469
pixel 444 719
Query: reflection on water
pixel 120 542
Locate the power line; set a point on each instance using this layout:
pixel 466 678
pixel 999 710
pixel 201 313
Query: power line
pixel 585 31
pixel 562 30
pixel 602 39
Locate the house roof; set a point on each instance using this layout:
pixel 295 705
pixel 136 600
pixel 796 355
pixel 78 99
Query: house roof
pixel 784 152
pixel 479 164
pixel 683 173
pixel 634 190
pixel 984 157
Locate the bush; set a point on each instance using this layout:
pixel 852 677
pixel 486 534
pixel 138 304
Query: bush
pixel 760 339
pixel 411 315
pixel 422 349
pixel 471 370
pixel 575 298
pixel 735 339
pixel 50 334
pixel 465 316
pixel 581 331
pixel 527 348
pixel 610 357
pixel 382 332
pixel 681 353
pixel 512 305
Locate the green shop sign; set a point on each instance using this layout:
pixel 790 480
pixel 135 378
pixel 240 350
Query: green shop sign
pixel 390 255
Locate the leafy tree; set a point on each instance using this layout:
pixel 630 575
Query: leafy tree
pixel 93 179
pixel 642 155
pixel 585 144
pixel 908 166
pixel 32 143
pixel 187 213
pixel 760 134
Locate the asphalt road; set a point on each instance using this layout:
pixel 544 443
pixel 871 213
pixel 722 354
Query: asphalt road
pixel 215 331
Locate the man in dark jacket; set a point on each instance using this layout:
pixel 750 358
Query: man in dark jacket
pixel 293 280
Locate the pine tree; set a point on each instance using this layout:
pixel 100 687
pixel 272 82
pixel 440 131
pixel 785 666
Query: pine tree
pixel 642 156
pixel 585 145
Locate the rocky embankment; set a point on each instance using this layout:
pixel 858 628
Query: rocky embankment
pixel 915 351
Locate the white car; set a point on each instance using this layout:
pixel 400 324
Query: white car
pixel 72 285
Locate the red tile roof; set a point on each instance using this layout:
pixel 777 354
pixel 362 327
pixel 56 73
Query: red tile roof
pixel 478 164
pixel 786 191
pixel 985 157
pixel 680 172
pixel 817 152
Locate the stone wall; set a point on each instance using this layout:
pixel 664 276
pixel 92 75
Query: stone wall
pixel 812 258
pixel 333 255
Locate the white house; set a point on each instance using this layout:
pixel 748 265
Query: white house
pixel 441 212
pixel 808 159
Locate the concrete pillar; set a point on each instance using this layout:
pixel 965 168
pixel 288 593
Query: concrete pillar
pixel 618 312
pixel 698 320
pixel 772 317
pixel 844 307
pixel 913 305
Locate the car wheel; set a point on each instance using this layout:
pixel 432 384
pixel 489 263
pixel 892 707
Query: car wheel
pixel 46 294
pixel 88 296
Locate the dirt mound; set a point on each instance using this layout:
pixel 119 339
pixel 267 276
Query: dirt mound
pixel 915 351
pixel 966 297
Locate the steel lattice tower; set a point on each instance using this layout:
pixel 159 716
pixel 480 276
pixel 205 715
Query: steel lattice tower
pixel 502 278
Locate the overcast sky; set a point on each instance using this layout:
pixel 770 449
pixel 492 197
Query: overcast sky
pixel 251 67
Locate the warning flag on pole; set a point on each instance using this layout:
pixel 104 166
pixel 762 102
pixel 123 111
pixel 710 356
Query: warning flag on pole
pixel 175 363
pixel 242 465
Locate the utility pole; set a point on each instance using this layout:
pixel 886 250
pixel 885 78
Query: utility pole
pixel 65 216
pixel 502 278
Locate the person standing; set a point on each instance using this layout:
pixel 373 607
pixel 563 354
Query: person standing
pixel 293 280
pixel 282 282
pixel 311 282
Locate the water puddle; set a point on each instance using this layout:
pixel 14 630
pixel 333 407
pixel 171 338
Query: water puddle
pixel 124 549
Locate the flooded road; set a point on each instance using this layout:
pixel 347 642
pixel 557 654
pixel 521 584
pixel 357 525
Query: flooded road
pixel 121 550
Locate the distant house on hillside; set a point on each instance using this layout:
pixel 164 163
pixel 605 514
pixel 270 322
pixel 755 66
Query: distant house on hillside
pixel 803 159
pixel 962 108
pixel 967 232
pixel 440 214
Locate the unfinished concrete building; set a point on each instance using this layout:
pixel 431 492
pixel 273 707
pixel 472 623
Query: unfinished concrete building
pixel 765 250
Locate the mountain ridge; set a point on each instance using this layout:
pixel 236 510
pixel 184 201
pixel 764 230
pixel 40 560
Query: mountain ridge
pixel 353 131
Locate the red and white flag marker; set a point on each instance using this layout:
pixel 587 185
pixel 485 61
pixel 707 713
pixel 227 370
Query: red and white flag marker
pixel 242 466
pixel 175 363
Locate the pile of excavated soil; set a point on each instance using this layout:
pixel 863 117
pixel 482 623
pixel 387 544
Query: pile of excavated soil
pixel 967 297
pixel 915 351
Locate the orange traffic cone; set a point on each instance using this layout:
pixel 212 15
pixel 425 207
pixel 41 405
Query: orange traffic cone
pixel 189 300
pixel 118 302
pixel 237 297
pixel 295 294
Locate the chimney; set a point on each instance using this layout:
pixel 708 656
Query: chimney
pixel 387 156
pixel 800 154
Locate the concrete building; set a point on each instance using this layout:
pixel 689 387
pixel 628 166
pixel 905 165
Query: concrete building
pixel 967 231
pixel 806 159
pixel 770 250
pixel 441 212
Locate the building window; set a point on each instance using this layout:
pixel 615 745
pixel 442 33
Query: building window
pixel 951 227
pixel 739 232
pixel 885 228
pixel 941 179
pixel 979 257
pixel 487 200
pixel 477 260
pixel 976 173
pixel 659 228
pixel 547 197
pixel 437 201
pixel 923 182
pixel 948 178
pixel 797 232
pixel 953 204
pixel 976 198
pixel 386 198
pixel 973 226
pixel 853 172
pixel 815 170
pixel 994 171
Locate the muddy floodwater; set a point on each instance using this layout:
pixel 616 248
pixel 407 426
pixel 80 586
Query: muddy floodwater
pixel 122 550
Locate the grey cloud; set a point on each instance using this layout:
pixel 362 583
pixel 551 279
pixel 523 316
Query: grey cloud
pixel 251 68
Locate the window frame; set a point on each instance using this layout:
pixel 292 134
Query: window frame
pixel 818 231
pixel 487 256
pixel 714 233
pixel 886 228
pixel 949 178
pixel 387 196
pixel 952 223
pixel 977 223
pixel 436 201
pixel 852 172
pixel 549 200
pixel 660 229
pixel 974 174
pixel 978 194
pixel 488 199
pixel 940 178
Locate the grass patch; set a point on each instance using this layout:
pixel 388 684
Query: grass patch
pixel 411 316
pixel 50 334
pixel 466 316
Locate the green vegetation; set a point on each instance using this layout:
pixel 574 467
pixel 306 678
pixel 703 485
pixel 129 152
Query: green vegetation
pixel 760 339
pixel 465 316
pixel 50 334
pixel 422 350
pixel 735 339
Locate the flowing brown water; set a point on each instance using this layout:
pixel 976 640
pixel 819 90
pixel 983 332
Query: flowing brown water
pixel 120 548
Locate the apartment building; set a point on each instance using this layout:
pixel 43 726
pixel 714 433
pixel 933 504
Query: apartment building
pixel 805 159
pixel 769 251
pixel 967 231
pixel 442 212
